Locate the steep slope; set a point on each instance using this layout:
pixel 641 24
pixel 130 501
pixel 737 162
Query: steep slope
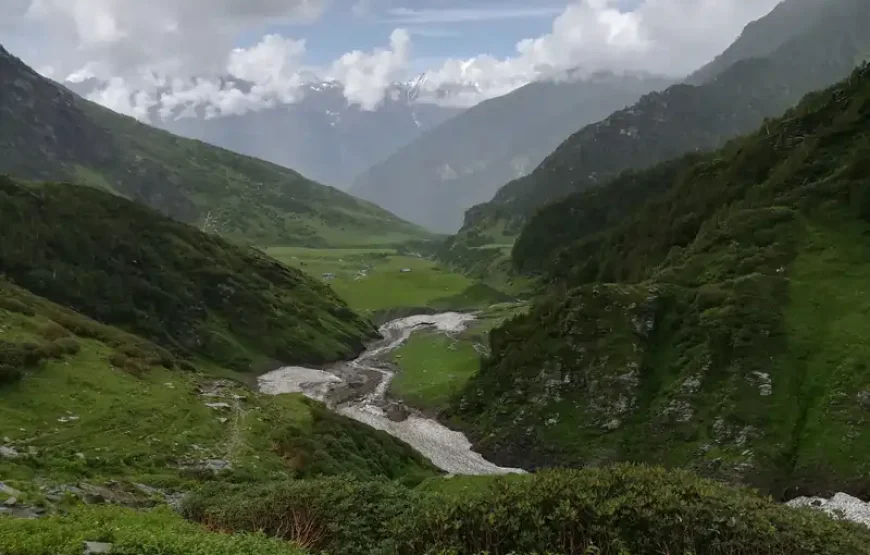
pixel 49 133
pixel 684 118
pixel 320 136
pixel 706 314
pixel 125 265
pixel 761 38
pixel 433 180
pixel 85 402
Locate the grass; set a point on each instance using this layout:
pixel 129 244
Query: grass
pixel 84 415
pixel 371 279
pixel 434 367
pixel 158 532
pixel 828 354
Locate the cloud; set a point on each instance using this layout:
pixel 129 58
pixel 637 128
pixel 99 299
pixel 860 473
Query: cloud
pixel 123 38
pixel 366 77
pixel 408 16
pixel 670 37
pixel 181 58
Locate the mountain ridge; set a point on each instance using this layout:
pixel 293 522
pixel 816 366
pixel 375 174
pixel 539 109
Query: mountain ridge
pixel 49 133
pixel 744 94
pixel 432 180
pixel 705 320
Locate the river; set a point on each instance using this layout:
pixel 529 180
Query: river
pixel 359 389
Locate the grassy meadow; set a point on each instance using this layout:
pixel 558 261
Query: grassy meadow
pixel 371 279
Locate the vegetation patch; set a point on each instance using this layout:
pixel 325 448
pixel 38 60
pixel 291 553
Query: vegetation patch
pixel 372 280
pixel 158 532
pixel 195 294
pixel 701 315
pixel 620 510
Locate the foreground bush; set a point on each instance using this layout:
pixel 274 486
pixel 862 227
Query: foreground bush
pixel 336 515
pixel 624 510
pixel 159 532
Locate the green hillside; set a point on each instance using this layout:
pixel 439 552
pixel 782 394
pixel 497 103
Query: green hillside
pixel 711 319
pixel 684 118
pixel 192 293
pixel 50 134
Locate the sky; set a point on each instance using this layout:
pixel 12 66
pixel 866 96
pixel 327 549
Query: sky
pixel 179 55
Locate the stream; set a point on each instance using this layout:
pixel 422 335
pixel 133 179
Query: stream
pixel 358 389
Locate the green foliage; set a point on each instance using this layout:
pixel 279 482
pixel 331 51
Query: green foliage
pixel 682 119
pixel 52 135
pixel 192 293
pixel 620 510
pixel 158 532
pixel 700 314
pixel 326 444
pixel 343 516
pixel 138 418
pixel 433 368
pixel 372 280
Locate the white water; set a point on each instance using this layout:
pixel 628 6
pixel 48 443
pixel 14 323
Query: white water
pixel 448 450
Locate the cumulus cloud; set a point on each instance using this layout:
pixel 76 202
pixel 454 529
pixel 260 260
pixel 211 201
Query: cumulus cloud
pixel 366 77
pixel 670 37
pixel 171 37
pixel 180 58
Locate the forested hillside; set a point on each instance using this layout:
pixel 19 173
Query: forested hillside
pixel 707 314
pixel 126 265
pixel 49 133
pixel 684 118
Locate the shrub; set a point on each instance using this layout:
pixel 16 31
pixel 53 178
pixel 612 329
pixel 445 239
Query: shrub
pixel 620 511
pixel 623 509
pixel 159 532
pixel 343 516
pixel 15 305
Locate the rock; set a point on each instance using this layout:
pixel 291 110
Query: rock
pixel 397 412
pixel 217 465
pixel 94 548
pixel 218 406
pixel 11 501
pixel 10 491
pixel 7 452
pixel 65 419
pixel 864 399
pixel 840 506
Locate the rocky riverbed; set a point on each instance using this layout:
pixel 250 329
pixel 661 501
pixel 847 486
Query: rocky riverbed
pixel 358 389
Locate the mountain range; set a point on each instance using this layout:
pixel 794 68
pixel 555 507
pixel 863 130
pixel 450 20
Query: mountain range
pixel 432 180
pixel 50 133
pixel 686 117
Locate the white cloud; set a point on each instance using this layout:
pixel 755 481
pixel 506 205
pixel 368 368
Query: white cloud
pixel 366 77
pixel 405 16
pixel 670 37
pixel 180 57
pixel 172 37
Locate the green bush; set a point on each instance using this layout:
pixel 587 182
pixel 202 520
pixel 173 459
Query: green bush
pixel 159 532
pixel 15 305
pixel 342 516
pixel 620 510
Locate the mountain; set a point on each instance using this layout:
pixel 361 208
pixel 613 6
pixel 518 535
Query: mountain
pixel 681 119
pixel 434 179
pixel 49 133
pixel 706 314
pixel 761 38
pixel 192 293
pixel 320 136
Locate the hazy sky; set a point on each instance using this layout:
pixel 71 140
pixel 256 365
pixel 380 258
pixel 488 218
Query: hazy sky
pixel 177 53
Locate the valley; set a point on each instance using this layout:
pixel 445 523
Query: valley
pixel 649 340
